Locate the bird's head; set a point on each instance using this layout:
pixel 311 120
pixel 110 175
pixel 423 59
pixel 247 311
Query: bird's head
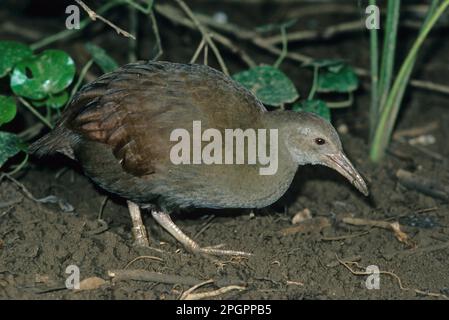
pixel 313 140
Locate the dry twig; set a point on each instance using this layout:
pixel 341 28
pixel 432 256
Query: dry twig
pixel 394 226
pixel 347 264
pixel 426 186
pixel 310 225
pixel 173 14
pixel 149 276
pixel 143 257
pixel 344 237
pixel 243 34
pixel 205 34
pixel 94 16
pixel 416 131
pixel 189 295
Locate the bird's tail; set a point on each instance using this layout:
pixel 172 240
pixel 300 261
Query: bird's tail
pixel 58 140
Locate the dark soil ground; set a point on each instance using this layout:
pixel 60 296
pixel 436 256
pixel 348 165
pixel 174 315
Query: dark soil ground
pixel 39 241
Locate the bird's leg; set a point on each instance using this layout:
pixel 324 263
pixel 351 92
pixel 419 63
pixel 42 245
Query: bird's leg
pixel 167 223
pixel 139 231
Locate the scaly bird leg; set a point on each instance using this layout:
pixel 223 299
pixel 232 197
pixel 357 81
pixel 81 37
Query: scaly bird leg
pixel 167 223
pixel 139 231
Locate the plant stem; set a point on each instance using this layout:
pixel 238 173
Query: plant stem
pixel 198 51
pixel 389 49
pixel 68 33
pixel 134 23
pixel 142 9
pixel 374 57
pixel 19 166
pixel 35 112
pixel 284 47
pixel 150 12
pixel 342 104
pixel 155 27
pixel 315 83
pixel 205 33
pixel 389 114
pixel 81 78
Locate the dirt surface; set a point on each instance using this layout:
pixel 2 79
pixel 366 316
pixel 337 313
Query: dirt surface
pixel 39 241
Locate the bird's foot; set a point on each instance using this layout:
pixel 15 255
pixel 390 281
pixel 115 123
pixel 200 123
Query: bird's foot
pixel 166 222
pixel 140 237
pixel 139 231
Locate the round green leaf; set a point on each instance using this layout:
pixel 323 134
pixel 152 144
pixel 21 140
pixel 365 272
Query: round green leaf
pixel 39 76
pixel 8 109
pixel 318 107
pixel 337 78
pixel 12 52
pixel 10 145
pixel 54 101
pixel 269 84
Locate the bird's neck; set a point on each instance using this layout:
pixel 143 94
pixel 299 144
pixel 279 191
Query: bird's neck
pixel 269 188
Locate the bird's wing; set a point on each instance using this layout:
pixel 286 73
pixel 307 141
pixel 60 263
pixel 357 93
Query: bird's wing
pixel 134 109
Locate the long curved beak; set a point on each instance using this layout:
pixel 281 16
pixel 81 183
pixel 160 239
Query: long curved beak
pixel 342 164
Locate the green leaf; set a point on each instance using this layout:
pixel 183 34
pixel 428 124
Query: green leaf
pixel 8 109
pixel 54 101
pixel 269 84
pixel 12 52
pixel 337 78
pixel 40 76
pixel 10 145
pixel 318 107
pixel 101 58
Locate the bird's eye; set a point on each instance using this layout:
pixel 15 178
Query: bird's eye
pixel 320 141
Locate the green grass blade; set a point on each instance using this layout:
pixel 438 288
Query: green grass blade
pixel 389 114
pixel 389 50
pixel 374 57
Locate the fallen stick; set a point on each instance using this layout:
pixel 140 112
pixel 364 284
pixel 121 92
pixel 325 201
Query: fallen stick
pixel 344 237
pixel 416 131
pixel 310 225
pixel 150 276
pixel 424 185
pixel 189 295
pixel 211 294
pixel 367 222
pixel 143 257
pixel 393 226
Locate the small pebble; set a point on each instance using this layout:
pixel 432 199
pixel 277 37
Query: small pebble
pixel 424 140
pixel 302 216
pixel 343 129
pixel 220 17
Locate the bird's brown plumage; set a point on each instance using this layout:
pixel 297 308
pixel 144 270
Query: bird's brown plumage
pixel 134 109
pixel 119 126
